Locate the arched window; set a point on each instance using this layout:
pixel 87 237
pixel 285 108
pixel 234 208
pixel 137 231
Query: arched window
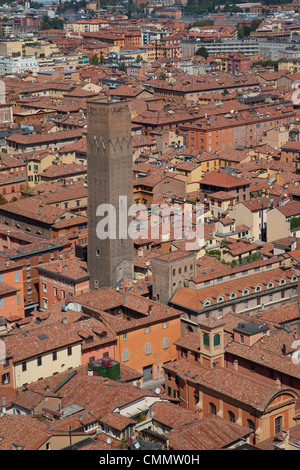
pixel 250 424
pixel 258 288
pixel 207 303
pixel 231 416
pixel 220 298
pixel 270 285
pixel 213 408
pixel 233 295
pixel 217 340
pixel 206 339
pixel 245 291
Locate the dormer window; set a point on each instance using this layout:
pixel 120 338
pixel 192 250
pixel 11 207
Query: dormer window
pixel 270 285
pixel 246 292
pixel 207 303
pixel 258 288
pixel 233 295
pixel 220 298
pixel 282 281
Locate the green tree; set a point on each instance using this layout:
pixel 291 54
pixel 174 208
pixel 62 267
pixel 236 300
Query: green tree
pixel 26 191
pixel 2 200
pixel 202 51
pixel 94 60
pixel 122 67
pixel 295 222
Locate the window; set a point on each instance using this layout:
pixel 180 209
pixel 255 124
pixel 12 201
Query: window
pixel 39 361
pixel 165 325
pixel 250 424
pixel 1 303
pixel 125 336
pixel 18 299
pixel 54 356
pixel 44 287
pixel 165 342
pixel 213 408
pixel 17 276
pixel 278 424
pixel 231 416
pixel 69 350
pixel 24 366
pixel 206 339
pixel 148 348
pixel 217 340
pixel 270 297
pixel 147 330
pixel 125 355
pixel 5 378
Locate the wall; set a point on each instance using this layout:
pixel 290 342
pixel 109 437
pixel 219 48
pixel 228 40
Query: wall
pixel 48 367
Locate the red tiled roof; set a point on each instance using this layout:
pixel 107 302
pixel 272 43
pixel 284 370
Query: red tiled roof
pixel 223 180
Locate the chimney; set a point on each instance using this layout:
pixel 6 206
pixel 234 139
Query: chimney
pixel 235 365
pixel 59 268
pixel 277 383
pixel 149 310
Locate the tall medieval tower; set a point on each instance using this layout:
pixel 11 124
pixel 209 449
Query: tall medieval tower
pixel 109 180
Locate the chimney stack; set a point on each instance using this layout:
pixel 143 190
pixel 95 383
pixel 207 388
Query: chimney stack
pixel 277 383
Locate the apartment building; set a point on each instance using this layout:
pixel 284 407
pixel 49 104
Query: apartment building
pixel 27 251
pixel 62 279
pixel 139 324
pixel 279 220
pixel 250 47
pixel 254 214
pixel 40 352
pixel 11 291
pixel 222 181
pixel 245 289
pixel 216 133
pixel 225 393
pixel 35 217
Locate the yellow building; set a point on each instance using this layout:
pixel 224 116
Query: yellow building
pixel 11 47
pixel 42 352
pixel 39 161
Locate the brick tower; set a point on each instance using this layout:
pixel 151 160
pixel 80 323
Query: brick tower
pixel 109 178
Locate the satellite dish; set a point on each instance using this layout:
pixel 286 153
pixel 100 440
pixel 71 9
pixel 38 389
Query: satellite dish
pixel 108 440
pixel 157 391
